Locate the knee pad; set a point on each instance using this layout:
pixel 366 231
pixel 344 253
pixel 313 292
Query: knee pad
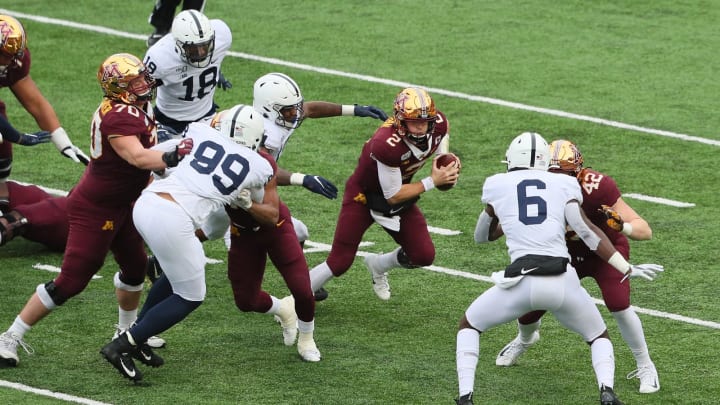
pixel 49 295
pixel 127 286
pixel 12 224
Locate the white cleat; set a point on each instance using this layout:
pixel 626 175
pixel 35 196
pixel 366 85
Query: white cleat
pixel 379 278
pixel 8 349
pixel 307 348
pixel 649 381
pixel 513 350
pixel 288 320
pixel 156 342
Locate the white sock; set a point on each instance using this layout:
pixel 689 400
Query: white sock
pixel 603 361
pixel 526 331
pixel 466 359
pixel 632 332
pixel 306 327
pixel 275 306
pixel 319 275
pixel 126 318
pixel 19 328
pixel 388 261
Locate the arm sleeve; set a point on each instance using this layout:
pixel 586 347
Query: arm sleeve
pixel 576 222
pixel 482 229
pixel 390 179
pixel 8 132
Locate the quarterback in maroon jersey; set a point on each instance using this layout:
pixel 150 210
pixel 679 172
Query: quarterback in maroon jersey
pixel 100 206
pixel 604 206
pixel 15 74
pixel 381 190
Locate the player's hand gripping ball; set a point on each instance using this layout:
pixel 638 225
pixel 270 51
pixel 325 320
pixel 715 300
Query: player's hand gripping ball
pixel 444 160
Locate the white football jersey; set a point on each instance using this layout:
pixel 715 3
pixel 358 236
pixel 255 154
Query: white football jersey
pixel 187 92
pixel 213 174
pixel 276 137
pixel 530 205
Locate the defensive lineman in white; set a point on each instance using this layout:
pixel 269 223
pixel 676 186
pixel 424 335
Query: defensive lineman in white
pixel 186 66
pixel 220 170
pixel 532 208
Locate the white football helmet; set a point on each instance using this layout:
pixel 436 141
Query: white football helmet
pixel 278 98
pixel 242 124
pixel 528 151
pixel 194 37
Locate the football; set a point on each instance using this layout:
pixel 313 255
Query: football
pixel 444 160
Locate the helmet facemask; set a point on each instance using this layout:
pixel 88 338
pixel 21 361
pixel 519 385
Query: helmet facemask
pixel 197 54
pixel 289 116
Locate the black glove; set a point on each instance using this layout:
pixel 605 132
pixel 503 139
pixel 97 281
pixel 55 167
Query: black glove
pixel 320 185
pixel 224 83
pixel 34 138
pixel 370 111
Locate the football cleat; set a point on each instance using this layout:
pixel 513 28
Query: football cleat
pixel 321 294
pixel 513 350
pixel 465 399
pixel 379 278
pixel 119 353
pixel 307 348
pixel 145 354
pixel 8 349
pixel 155 342
pixel 155 36
pixel 288 320
pixel 608 397
pixel 649 381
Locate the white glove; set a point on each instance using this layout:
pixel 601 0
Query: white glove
pixel 60 138
pixel 647 271
pixel 243 200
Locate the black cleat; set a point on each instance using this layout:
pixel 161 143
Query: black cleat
pixel 145 354
pixel 321 294
pixel 465 399
pixel 608 397
pixel 118 353
pixel 155 36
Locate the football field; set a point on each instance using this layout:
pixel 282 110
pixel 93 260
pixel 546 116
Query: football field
pixel 633 84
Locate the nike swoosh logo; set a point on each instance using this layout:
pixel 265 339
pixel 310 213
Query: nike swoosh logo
pixel 145 355
pixel 130 373
pixel 523 271
pixel 279 224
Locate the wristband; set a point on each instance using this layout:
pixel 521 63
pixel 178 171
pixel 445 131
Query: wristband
pixel 296 179
pixel 348 110
pixel 428 183
pixel 619 262
pixel 627 228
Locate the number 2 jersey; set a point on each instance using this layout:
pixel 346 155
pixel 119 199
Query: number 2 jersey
pixel 186 93
pixel 213 174
pixel 530 205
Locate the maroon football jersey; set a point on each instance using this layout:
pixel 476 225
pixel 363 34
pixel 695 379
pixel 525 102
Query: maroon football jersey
pixel 109 179
pixel 598 189
pixel 388 147
pixel 14 73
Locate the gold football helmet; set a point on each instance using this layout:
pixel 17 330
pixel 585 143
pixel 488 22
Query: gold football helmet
pixel 123 77
pixel 13 40
pixel 414 104
pixel 565 156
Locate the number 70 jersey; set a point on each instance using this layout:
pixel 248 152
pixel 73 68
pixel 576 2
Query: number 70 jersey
pixel 530 205
pixel 213 174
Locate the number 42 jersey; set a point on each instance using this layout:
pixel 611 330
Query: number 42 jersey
pixel 530 205
pixel 213 174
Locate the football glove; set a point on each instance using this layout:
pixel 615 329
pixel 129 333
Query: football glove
pixel 62 142
pixel 613 219
pixel 34 138
pixel 648 271
pixel 243 200
pixel 224 83
pixel 183 148
pixel 320 185
pixel 370 111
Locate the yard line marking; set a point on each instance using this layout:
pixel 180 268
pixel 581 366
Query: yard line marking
pixel 319 247
pixel 394 83
pixel 659 200
pixel 55 269
pixel 48 393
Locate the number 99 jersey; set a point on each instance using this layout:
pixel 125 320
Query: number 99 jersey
pixel 213 174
